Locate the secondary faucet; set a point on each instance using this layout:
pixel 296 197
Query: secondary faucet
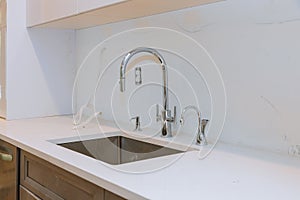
pixel 165 117
pixel 201 138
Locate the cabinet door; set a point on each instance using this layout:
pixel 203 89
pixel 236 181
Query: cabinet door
pixel 111 196
pixel 50 182
pixel 43 11
pixel 27 195
pixel 3 13
pixel 8 171
pixel 87 5
pixel 3 59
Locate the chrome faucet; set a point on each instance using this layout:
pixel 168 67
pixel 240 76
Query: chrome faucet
pixel 165 117
pixel 201 138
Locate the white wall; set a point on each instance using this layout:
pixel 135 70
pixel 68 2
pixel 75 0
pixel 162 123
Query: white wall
pixel 255 45
pixel 40 67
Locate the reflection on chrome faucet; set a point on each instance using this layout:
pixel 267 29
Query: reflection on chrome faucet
pixel 201 139
pixel 165 117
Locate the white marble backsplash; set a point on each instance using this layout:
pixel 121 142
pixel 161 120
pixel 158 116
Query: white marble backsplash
pixel 255 45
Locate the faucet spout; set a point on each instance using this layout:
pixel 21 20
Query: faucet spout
pixel 201 138
pixel 196 110
pixel 155 53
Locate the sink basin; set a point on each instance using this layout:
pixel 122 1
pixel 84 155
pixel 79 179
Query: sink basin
pixel 118 149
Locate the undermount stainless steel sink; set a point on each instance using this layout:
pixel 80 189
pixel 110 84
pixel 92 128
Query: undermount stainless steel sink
pixel 118 149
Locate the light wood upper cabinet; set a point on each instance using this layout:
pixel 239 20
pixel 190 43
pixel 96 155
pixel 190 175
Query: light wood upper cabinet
pixel 78 14
pixel 45 11
pixel 3 103
pixel 2 13
pixel 89 5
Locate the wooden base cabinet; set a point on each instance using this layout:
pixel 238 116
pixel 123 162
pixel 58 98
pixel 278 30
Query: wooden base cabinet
pixel 40 179
pixel 8 171
pixel 111 196
pixel 27 195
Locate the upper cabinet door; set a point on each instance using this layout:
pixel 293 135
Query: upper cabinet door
pixel 3 13
pixel 78 14
pixel 43 11
pixel 88 5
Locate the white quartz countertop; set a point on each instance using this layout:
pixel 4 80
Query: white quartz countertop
pixel 228 172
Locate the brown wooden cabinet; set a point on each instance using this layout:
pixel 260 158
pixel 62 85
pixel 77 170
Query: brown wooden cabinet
pixel 111 196
pixel 41 180
pixel 48 182
pixel 8 171
pixel 27 195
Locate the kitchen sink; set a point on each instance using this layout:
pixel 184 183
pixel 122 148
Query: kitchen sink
pixel 119 149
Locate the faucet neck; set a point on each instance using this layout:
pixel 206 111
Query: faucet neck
pixel 126 60
pixel 196 110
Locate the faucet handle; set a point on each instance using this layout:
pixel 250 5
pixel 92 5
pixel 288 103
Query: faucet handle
pixel 175 115
pixel 203 125
pixel 201 137
pixel 137 123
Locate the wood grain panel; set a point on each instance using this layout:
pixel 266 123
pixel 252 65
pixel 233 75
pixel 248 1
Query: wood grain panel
pixel 50 182
pixel 8 172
